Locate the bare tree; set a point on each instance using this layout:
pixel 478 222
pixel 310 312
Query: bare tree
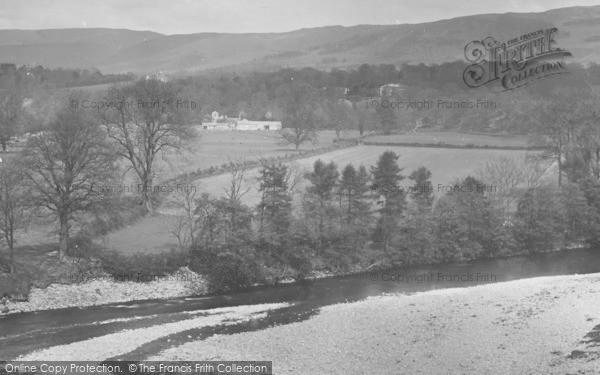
pixel 186 225
pixel 295 176
pixel 240 183
pixel 508 177
pixel 146 120
pixel 559 121
pixel 300 127
pixel 11 112
pixel 65 165
pixel 14 210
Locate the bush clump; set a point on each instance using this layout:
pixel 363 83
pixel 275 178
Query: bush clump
pixel 227 267
pixel 142 267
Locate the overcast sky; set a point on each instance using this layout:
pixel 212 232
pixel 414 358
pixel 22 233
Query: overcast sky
pixel 237 16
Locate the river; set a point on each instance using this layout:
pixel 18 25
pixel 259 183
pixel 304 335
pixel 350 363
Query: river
pixel 25 332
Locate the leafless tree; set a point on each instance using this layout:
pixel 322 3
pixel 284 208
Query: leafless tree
pixel 295 176
pixel 185 225
pixel 14 208
pixel 11 113
pixel 145 121
pixel 559 119
pixel 65 164
pixel 240 183
pixel 508 177
pixel 300 127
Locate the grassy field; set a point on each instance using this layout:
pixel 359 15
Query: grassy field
pixel 214 148
pixel 453 138
pixel 151 234
pixel 445 165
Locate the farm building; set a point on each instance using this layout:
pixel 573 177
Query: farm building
pixel 257 125
pixel 391 89
pixel 226 123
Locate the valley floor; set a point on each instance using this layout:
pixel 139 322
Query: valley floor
pixel 547 325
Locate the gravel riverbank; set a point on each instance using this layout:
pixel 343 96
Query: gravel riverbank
pixel 533 326
pixel 105 290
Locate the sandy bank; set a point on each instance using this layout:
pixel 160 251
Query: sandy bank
pixel 533 326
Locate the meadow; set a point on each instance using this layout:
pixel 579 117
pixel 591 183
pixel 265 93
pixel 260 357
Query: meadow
pixel 215 148
pixel 151 234
pixel 453 138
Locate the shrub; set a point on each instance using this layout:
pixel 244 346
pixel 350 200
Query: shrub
pixel 142 266
pixel 15 286
pixel 82 246
pixel 227 267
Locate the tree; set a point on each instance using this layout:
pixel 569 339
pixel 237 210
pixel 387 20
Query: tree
pixel 387 119
pixel 559 121
pixel 221 222
pixel 185 226
pixel 300 127
pixel 352 191
pixel 539 224
pixel 274 209
pixel 467 224
pixel 11 112
pixel 365 119
pixel 323 179
pixel 508 178
pixel 422 191
pixel 386 178
pixel 339 116
pixel 146 121
pixel 65 164
pixel 14 207
pixel 300 120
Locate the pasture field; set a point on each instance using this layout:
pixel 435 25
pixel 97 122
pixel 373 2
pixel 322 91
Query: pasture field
pixel 151 233
pixel 453 138
pixel 215 148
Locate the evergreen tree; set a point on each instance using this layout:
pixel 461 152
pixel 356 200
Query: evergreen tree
pixel 386 178
pixel 323 180
pixel 274 209
pixel 422 191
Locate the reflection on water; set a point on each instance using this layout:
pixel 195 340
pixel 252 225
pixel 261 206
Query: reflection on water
pixel 29 331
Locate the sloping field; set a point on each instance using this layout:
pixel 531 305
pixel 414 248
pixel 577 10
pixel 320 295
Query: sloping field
pixel 152 233
pixel 453 138
pixel 214 148
pixel 445 165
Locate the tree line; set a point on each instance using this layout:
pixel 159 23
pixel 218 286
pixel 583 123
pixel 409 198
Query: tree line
pixel 355 218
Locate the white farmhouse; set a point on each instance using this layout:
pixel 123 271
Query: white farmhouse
pixel 219 122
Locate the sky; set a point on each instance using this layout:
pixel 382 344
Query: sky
pixel 237 16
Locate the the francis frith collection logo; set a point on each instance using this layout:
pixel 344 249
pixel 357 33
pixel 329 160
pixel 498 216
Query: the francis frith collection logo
pixel 516 62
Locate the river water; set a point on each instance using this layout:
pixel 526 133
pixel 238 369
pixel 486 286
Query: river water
pixel 25 332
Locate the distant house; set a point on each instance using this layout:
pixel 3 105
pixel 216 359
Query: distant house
pixel 257 125
pixel 391 89
pixel 219 122
pixel 160 76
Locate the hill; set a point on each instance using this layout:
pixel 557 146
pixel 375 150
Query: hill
pixel 324 47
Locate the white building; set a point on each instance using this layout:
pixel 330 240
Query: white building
pixel 225 123
pixel 391 89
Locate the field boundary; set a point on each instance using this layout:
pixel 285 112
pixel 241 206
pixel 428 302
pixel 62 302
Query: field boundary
pixel 255 163
pixel 453 146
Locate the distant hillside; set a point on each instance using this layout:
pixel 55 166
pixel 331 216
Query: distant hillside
pixel 115 51
pixel 68 48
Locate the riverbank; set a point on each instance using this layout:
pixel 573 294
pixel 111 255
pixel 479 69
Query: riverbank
pixel 531 326
pixel 104 290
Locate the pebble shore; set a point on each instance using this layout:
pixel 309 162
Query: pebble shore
pixel 532 326
pixel 105 290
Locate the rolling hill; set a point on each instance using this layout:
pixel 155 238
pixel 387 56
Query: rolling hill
pixel 115 51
